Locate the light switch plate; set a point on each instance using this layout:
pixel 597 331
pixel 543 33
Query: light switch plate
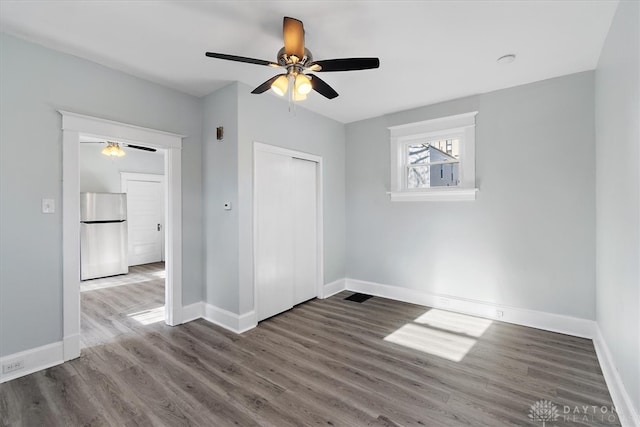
pixel 48 206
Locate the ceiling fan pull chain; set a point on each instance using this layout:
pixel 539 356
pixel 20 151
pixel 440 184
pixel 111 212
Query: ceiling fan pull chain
pixel 292 101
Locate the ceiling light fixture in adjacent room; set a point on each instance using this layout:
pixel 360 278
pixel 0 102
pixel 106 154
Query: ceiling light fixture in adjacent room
pixel 113 150
pixel 507 59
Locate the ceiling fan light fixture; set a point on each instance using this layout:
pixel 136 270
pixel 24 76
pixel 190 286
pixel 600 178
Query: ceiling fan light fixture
pixel 113 150
pixel 302 85
pixel 281 85
pixel 296 60
pixel 299 96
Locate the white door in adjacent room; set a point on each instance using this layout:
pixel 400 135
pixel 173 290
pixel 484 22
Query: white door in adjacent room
pixel 145 217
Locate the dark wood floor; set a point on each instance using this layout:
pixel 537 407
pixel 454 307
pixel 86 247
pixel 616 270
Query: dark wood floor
pixel 326 362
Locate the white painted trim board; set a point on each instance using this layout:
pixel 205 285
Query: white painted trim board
pixel 192 312
pixel 35 359
pixel 330 289
pixel 629 417
pixel 230 321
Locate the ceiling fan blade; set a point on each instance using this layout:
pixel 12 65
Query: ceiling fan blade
pixel 139 147
pixel 293 34
pixel 241 59
pixel 344 64
pixel 322 88
pixel 266 85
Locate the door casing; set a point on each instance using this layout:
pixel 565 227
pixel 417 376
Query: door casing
pixel 74 125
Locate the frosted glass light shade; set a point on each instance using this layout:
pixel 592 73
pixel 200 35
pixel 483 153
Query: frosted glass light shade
pixel 281 85
pixel 113 150
pixel 303 84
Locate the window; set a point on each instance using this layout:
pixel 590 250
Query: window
pixel 432 163
pixel 434 159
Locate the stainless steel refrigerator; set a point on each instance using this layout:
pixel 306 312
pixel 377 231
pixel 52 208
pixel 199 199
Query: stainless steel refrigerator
pixel 103 235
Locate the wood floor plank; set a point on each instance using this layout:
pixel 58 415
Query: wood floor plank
pixel 325 362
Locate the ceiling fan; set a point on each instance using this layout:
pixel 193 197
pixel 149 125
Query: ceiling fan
pixel 113 148
pixel 297 60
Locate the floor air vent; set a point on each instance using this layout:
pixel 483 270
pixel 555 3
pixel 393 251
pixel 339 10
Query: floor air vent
pixel 358 297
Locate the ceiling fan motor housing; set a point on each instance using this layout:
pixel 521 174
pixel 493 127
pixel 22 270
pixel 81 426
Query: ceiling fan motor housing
pixel 292 61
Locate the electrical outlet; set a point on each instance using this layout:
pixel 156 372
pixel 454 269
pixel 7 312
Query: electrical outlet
pixel 499 314
pixel 13 366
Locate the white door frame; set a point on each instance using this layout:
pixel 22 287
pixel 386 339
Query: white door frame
pixel 149 177
pixel 259 146
pixel 73 125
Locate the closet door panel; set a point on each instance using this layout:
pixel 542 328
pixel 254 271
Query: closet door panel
pixel 305 261
pixel 274 235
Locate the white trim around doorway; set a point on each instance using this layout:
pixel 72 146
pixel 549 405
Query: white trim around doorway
pixel 74 125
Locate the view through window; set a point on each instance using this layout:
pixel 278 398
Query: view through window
pixel 433 163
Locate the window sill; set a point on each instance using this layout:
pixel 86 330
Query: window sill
pixel 433 195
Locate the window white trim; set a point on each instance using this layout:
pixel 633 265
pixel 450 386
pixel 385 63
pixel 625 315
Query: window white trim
pixel 73 125
pixel 462 126
pixel 452 194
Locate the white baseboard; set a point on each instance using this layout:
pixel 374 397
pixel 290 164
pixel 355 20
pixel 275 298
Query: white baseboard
pixel 35 359
pixel 228 320
pixel 333 288
pixel 192 312
pixel 583 328
pixel 71 347
pixel 629 416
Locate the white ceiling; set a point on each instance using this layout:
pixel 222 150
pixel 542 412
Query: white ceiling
pixel 430 51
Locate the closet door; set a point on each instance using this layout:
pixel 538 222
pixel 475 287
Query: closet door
pixel 304 204
pixel 274 237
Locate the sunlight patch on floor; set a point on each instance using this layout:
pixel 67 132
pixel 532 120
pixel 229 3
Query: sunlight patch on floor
pixel 438 343
pixel 160 274
pixel 454 322
pixel 147 317
pixel 441 333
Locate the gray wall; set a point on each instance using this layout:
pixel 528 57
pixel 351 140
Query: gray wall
pixel 100 173
pixel 228 171
pixel 220 169
pixel 617 195
pixel 35 82
pixel 527 241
